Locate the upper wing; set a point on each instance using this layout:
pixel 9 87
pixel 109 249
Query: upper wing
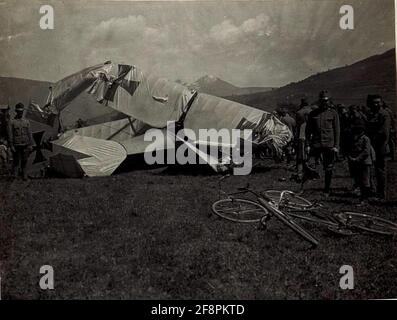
pixel 146 97
pixel 66 90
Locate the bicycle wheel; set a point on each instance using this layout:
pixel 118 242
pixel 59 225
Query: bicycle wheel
pixel 289 201
pixel 239 210
pixel 289 222
pixel 369 223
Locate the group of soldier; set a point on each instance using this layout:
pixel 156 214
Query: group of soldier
pixel 365 136
pixel 17 140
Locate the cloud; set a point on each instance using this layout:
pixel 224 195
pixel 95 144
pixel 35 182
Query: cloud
pixel 123 29
pixel 228 33
pixel 172 49
pixel 128 38
pixel 14 36
pixel 257 25
pixel 247 43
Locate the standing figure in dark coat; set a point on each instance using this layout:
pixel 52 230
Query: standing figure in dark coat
pixel 21 141
pixel 323 136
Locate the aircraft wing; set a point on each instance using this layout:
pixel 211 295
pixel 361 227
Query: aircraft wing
pixel 103 157
pixel 152 102
pixel 156 101
pixel 66 90
pixel 142 96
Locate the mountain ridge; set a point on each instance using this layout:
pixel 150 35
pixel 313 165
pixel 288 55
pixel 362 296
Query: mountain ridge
pixel 213 85
pixel 347 85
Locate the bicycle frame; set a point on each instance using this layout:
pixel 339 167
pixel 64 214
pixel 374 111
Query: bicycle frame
pixel 343 223
pixel 267 203
pixel 340 223
pixel 274 210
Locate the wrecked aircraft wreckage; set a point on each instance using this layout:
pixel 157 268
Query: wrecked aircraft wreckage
pixel 146 103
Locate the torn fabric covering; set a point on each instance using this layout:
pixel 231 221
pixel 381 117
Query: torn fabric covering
pixel 67 89
pixel 156 101
pixel 212 112
pixel 35 113
pixel 103 157
pixel 148 98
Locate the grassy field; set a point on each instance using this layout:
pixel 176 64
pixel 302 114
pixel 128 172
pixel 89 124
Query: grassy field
pixel 149 234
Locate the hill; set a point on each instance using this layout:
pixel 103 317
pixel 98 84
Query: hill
pixel 14 90
pixel 348 85
pixel 212 85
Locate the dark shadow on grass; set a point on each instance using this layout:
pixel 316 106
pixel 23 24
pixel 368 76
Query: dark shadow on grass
pixel 136 162
pixel 189 170
pixel 344 194
pixel 384 203
pixel 260 169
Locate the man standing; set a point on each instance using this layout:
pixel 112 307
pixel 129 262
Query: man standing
pixel 392 136
pixel 301 120
pixel 345 131
pixel 291 124
pixel 323 135
pixel 21 141
pixel 378 130
pixel 288 120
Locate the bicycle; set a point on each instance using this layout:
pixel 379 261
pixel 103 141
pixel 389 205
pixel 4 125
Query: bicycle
pixel 343 223
pixel 259 211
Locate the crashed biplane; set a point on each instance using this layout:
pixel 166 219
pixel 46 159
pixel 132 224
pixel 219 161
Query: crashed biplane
pixel 146 102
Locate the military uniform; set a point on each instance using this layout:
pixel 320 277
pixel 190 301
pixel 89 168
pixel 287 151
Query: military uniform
pixel 301 121
pixel 361 158
pixel 291 124
pixel 378 131
pixel 345 132
pixel 3 158
pixel 323 135
pixel 392 136
pixel 21 141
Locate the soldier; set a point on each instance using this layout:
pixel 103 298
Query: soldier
pixel 378 130
pixel 323 135
pixel 392 136
pixel 3 157
pixel 345 130
pixel 291 124
pixel 301 120
pixel 360 161
pixel 21 141
pixel 288 120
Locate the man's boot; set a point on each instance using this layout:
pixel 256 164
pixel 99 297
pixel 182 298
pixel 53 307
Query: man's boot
pixel 24 174
pixel 15 172
pixel 328 179
pixel 380 184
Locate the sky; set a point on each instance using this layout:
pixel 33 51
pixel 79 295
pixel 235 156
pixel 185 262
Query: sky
pixel 247 43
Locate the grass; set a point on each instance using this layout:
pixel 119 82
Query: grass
pixel 149 234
